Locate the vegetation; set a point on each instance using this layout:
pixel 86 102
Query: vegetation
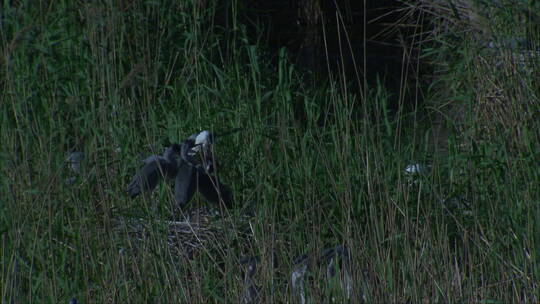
pixel 315 166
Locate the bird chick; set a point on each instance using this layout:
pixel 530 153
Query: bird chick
pixel 154 169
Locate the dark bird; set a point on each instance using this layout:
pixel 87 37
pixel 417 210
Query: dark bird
pixel 197 172
pixel 155 167
pixel 251 292
pixel 191 164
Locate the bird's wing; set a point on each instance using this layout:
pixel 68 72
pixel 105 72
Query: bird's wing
pixel 184 186
pixel 213 190
pixel 150 175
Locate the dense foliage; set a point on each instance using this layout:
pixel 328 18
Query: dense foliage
pixel 314 167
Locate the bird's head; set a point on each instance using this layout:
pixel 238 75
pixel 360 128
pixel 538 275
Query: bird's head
pixel 173 153
pixel 200 149
pixel 203 141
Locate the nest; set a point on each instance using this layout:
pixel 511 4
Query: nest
pixel 203 229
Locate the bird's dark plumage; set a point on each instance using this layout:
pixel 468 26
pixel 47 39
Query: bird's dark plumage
pixel 191 164
pixel 184 187
pixel 213 190
pixel 155 167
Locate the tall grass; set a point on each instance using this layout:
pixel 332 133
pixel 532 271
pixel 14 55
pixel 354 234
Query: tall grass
pixel 121 81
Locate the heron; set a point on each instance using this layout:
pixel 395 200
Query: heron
pixel 155 167
pixel 197 172
pixel 191 164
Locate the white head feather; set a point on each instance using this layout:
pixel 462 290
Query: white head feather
pixel 203 138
